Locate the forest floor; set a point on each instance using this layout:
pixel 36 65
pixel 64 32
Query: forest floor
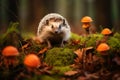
pixel 77 60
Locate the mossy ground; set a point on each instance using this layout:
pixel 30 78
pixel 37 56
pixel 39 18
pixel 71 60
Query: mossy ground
pixel 59 58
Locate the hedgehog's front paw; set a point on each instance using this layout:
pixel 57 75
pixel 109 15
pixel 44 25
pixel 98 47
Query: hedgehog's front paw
pixel 49 46
pixel 37 39
pixel 62 45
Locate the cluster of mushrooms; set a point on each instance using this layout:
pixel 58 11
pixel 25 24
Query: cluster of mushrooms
pixel 11 54
pixel 102 47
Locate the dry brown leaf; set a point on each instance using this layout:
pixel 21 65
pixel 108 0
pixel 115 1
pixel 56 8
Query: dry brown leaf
pixel 77 60
pixel 79 53
pixel 73 65
pixel 75 42
pixel 44 64
pixel 70 73
pixel 42 51
pixel 117 60
pixel 95 58
pixel 89 76
pixel 89 48
pixel 25 46
pixel 82 78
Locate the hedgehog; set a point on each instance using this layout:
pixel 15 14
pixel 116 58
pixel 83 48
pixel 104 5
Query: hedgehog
pixel 53 29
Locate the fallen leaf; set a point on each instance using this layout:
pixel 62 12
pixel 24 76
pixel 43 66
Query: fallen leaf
pixel 70 73
pixel 116 76
pixel 79 53
pixel 95 58
pixel 89 48
pixel 74 66
pixel 25 46
pixel 42 51
pixel 93 75
pixel 77 60
pixel 117 60
pixel 75 42
pixel 82 78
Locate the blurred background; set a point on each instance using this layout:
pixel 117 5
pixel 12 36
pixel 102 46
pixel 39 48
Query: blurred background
pixel 28 13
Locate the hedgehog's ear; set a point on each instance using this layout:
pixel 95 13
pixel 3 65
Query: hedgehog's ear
pixel 64 22
pixel 47 22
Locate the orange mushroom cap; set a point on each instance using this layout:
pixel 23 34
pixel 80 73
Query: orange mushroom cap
pixel 32 60
pixel 106 31
pixel 102 47
pixel 10 51
pixel 86 19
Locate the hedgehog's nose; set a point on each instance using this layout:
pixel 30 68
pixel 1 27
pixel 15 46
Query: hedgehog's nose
pixel 56 32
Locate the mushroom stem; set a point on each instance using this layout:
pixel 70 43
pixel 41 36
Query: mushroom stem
pixel 10 61
pixel 87 31
pixel 106 58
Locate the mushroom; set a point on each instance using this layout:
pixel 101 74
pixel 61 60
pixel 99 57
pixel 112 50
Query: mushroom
pixel 32 62
pixel 10 54
pixel 106 32
pixel 86 23
pixel 103 50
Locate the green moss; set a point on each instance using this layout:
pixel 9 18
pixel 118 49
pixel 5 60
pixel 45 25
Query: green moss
pixel 62 69
pixel 12 36
pixel 46 77
pixel 13 27
pixel 114 43
pixel 57 73
pixel 28 36
pixel 75 36
pixel 117 35
pixel 50 77
pixel 59 57
pixel 91 39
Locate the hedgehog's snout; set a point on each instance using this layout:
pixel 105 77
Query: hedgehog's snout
pixel 56 31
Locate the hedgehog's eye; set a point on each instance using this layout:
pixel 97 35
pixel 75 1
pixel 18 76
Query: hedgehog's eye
pixel 52 26
pixel 59 26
